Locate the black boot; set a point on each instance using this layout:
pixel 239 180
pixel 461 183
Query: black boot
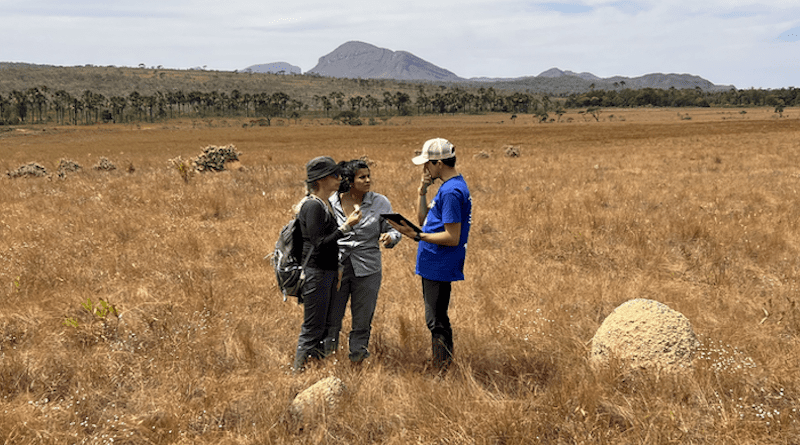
pixel 329 346
pixel 299 364
pixel 442 356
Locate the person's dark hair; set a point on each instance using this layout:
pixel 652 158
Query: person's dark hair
pixel 450 162
pixel 347 170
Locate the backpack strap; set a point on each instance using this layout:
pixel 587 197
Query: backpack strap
pixel 311 250
pixel 302 275
pixel 308 256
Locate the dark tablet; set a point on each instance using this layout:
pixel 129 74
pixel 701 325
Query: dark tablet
pixel 398 218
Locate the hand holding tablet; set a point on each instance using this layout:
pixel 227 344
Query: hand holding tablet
pixel 399 220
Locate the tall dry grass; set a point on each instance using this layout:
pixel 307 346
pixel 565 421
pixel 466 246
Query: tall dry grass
pixel 137 308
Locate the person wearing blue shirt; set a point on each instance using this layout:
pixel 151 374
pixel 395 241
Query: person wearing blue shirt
pixel 443 241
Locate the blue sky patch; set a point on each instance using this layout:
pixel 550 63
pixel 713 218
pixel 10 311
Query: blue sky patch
pixel 792 35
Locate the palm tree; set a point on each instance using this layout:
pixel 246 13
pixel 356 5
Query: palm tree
pixel 439 103
pixel 172 99
pixel 388 100
pixel 89 105
pixel 338 98
pixel 295 106
pixel 372 103
pixel 150 102
pixel 247 99
pixel 280 99
pixel 39 99
pixel 181 100
pixel 326 104
pixel 355 103
pixel 195 98
pixel 422 99
pixel 268 106
pixel 4 106
pixel 212 101
pixel 235 100
pixel 62 101
pixel 75 108
pixel 488 98
pixel 400 101
pixel 20 103
pixel 30 98
pixel 137 101
pixel 118 104
pixel 100 101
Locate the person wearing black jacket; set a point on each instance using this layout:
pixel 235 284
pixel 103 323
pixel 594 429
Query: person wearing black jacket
pixel 320 233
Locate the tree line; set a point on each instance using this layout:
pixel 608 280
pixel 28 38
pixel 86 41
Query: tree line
pixel 690 97
pixel 41 104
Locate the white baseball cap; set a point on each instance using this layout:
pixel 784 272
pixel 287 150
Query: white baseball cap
pixel 434 150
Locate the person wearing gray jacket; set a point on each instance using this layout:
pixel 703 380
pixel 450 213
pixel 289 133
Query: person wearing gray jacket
pixel 359 257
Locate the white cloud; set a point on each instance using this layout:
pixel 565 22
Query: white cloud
pixel 728 42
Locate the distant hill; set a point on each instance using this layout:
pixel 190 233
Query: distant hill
pixel 666 81
pixel 352 60
pixel 362 60
pixel 274 68
pixel 556 81
pixel 8 65
pixel 656 80
pixel 555 72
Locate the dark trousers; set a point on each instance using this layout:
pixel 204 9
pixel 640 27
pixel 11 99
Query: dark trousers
pixel 436 295
pixel 317 291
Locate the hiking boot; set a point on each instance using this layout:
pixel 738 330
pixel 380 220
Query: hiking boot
pixel 359 356
pixel 329 347
pixel 442 356
pixel 299 364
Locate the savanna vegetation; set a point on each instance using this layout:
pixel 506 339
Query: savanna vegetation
pixel 32 94
pixel 137 307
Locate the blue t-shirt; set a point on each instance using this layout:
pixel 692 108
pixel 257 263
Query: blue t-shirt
pixel 452 204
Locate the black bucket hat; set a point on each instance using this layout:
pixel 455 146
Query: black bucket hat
pixel 320 167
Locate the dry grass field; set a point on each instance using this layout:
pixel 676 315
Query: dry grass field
pixel 136 308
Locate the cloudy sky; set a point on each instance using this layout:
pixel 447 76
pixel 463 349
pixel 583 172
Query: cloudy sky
pixel 728 42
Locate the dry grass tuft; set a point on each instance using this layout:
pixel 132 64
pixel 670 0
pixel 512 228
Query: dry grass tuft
pixel 137 307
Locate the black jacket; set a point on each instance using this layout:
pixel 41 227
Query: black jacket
pixel 319 229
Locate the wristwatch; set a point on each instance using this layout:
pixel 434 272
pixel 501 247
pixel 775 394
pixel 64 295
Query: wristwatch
pixel 418 237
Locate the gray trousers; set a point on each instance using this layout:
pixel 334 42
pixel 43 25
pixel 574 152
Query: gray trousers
pixel 363 295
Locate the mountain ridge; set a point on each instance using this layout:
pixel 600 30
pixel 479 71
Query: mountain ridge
pixel 356 59
pixel 360 60
pixel 274 68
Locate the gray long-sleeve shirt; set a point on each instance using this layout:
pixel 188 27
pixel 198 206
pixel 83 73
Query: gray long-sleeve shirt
pixel 362 244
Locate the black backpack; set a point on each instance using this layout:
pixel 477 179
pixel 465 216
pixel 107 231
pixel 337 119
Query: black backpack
pixel 285 259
